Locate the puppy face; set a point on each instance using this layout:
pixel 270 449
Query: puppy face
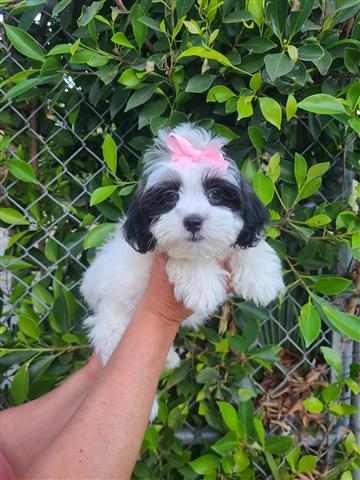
pixel 193 212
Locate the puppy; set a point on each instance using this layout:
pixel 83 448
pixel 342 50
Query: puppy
pixel 193 204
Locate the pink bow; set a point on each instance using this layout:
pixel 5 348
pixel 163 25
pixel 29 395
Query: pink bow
pixel 184 154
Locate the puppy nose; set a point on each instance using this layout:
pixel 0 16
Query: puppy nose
pixel 193 223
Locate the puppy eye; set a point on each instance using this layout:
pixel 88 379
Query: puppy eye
pixel 215 194
pixel 170 196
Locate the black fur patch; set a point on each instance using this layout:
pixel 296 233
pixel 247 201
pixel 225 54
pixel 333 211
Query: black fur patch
pixel 147 207
pixel 241 200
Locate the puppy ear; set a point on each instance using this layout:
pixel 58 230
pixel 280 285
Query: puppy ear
pixel 137 225
pixel 254 215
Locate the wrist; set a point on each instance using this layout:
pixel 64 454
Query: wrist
pixel 158 314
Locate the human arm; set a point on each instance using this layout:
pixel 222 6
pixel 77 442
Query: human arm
pixel 103 438
pixel 26 430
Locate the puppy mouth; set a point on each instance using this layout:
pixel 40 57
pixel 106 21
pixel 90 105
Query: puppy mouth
pixel 195 238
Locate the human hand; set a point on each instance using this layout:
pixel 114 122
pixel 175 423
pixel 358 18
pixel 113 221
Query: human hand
pixel 159 296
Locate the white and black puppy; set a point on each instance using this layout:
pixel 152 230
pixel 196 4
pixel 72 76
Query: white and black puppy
pixel 193 204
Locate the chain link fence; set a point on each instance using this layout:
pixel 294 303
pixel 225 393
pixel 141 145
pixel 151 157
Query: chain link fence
pixel 43 126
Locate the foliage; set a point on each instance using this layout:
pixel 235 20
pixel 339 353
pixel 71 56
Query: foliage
pixel 277 78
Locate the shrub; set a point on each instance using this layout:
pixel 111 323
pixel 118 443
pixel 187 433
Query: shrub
pixel 89 80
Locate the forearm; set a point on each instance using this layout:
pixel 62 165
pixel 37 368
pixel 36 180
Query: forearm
pixel 103 438
pixel 28 429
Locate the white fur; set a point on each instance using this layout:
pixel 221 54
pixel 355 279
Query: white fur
pixel 118 277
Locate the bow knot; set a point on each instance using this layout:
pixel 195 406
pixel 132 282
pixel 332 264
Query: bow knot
pixel 184 154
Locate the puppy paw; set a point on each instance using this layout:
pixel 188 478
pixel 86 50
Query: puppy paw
pixel 206 302
pixel 256 274
pixel 261 289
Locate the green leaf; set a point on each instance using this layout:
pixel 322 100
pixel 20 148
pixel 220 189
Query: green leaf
pixel 19 76
pixel 324 63
pixel 345 323
pixel 238 16
pixel 310 323
pixel 24 43
pixel 60 6
pixel 125 191
pixel 317 170
pixel 64 311
pixel 318 220
pixel 353 94
pixel 22 170
pixel 244 107
pixel 28 326
pixel 101 194
pixel 307 464
pixel 310 188
pixel 352 59
pixel 263 187
pixel 269 353
pixel 110 153
pixel 120 39
pixel 313 405
pixel 258 45
pixel 8 262
pixel 277 65
pixel 199 83
pixel 273 169
pixel 354 123
pixel 350 441
pixel 139 97
pixel 241 459
pixel 311 52
pixel 151 23
pixel 20 385
pixel 332 358
pixel 256 137
pixel 255 82
pixel 347 475
pixel 299 17
pixel 271 110
pixel 140 30
pixel 331 393
pixel 219 94
pixel 342 409
pixel 229 416
pixel 206 53
pixel 89 12
pixel 24 86
pixel 38 367
pixel 260 430
pixel 353 385
pixel 272 465
pixel 278 444
pixel 331 285
pixel 256 8
pixel 323 104
pixel 98 60
pixel 12 217
pixel 130 78
pixel 293 457
pixel 205 464
pixel 97 235
pixel 276 13
pixel 300 169
pixel 225 444
pixel 291 107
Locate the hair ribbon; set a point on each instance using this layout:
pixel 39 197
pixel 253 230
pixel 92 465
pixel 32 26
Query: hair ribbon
pixel 184 154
